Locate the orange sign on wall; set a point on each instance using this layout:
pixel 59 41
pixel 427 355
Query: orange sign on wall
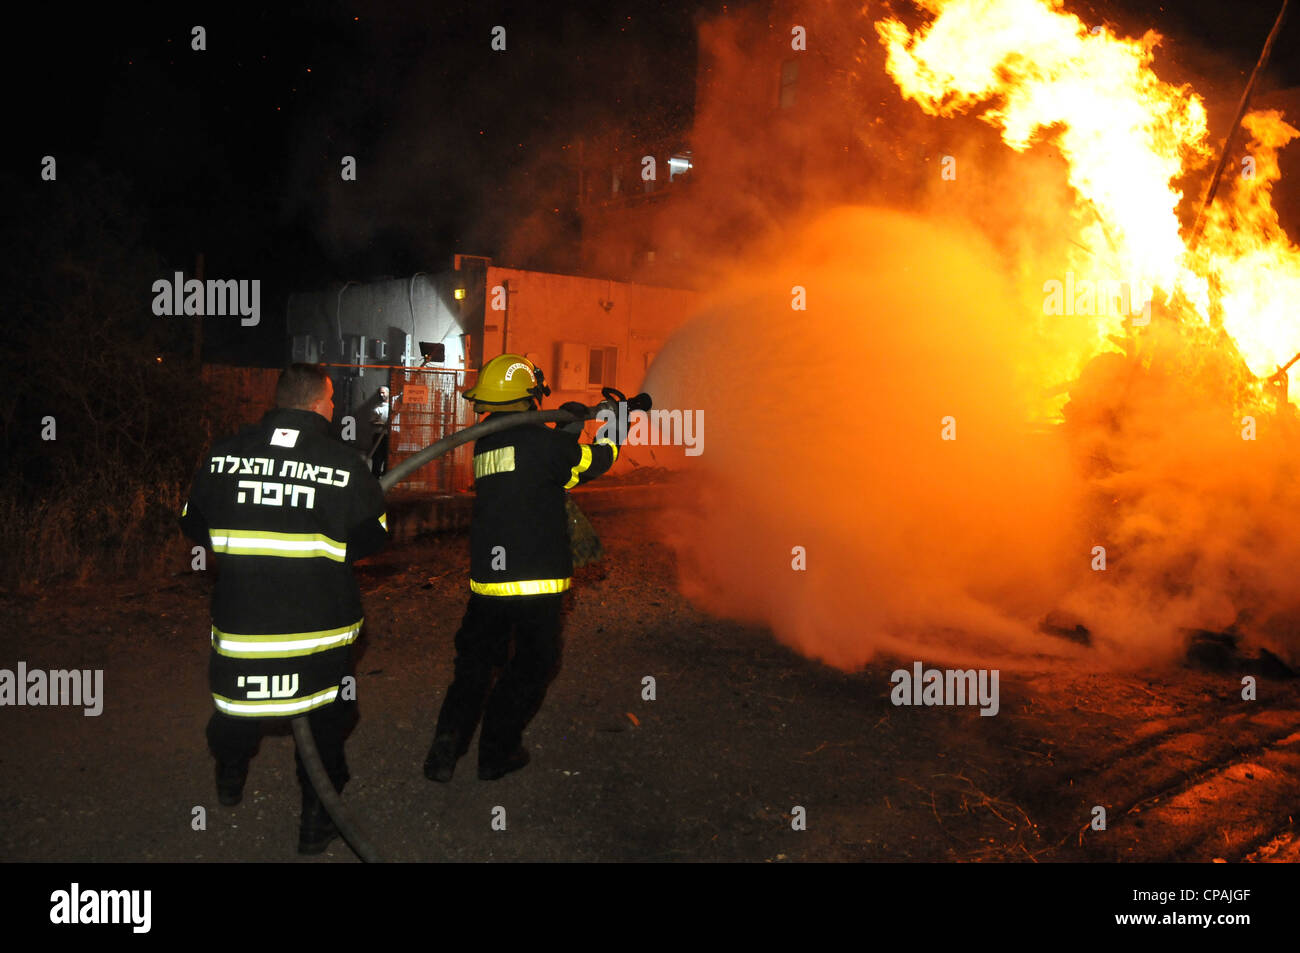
pixel 416 394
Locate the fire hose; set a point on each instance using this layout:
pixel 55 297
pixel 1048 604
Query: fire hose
pixel 353 833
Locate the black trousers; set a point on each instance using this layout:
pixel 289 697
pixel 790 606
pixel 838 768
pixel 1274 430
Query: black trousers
pixel 234 740
pixel 492 625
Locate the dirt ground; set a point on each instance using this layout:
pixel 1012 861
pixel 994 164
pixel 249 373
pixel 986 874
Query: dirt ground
pixel 741 733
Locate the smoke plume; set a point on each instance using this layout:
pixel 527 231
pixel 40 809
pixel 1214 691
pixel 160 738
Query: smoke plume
pixel 826 437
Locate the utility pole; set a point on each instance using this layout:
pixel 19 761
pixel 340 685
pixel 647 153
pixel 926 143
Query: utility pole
pixel 1236 123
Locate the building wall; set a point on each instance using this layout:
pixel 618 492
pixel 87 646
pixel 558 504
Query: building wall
pixel 545 311
pixel 400 312
pixel 641 236
pixel 628 223
pixel 777 133
pixel 553 318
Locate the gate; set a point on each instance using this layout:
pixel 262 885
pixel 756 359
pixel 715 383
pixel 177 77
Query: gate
pixel 430 408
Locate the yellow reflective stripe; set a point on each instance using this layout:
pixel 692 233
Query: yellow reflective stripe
pixel 284 645
pixel 275 706
pixel 580 467
pixel 186 508
pixel 236 542
pixel 501 460
pixel 383 521
pixel 521 587
pixel 611 444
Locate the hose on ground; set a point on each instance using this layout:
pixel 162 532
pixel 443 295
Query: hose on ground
pixel 352 832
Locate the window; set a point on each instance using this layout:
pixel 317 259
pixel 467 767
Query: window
pixel 602 367
pixel 789 82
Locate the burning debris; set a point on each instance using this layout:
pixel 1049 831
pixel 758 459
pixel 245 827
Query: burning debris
pixel 959 460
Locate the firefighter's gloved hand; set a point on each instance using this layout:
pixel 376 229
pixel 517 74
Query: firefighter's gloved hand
pixel 611 422
pixel 578 410
pixel 621 411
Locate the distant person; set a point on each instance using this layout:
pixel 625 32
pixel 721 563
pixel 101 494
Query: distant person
pixel 378 408
pixel 286 509
pixel 520 566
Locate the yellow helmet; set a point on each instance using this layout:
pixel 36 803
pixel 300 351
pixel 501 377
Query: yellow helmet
pixel 508 379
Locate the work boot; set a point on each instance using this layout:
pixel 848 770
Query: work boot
pixel 230 782
pixel 491 771
pixel 441 762
pixel 317 828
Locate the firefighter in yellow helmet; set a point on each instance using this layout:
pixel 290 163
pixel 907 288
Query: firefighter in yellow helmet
pixel 520 566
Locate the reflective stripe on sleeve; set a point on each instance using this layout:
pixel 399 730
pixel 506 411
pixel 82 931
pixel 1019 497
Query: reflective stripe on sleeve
pixel 521 587
pixel 383 521
pixel 237 542
pixel 284 645
pixel 611 444
pixel 274 706
pixel 186 508
pixel 580 467
pixel 501 460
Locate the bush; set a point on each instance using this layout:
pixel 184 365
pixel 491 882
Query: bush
pixel 86 357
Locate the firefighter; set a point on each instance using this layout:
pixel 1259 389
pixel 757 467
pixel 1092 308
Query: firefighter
pixel 520 567
pixel 286 509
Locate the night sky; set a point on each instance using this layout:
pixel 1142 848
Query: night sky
pixel 235 151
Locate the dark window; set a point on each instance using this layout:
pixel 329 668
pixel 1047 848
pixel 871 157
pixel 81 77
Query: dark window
pixel 602 367
pixel 789 82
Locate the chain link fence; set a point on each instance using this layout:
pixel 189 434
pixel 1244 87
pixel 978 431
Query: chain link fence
pixel 430 407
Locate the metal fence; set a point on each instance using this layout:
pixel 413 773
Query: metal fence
pixel 430 408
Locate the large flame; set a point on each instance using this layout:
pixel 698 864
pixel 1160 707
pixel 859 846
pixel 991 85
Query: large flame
pixel 1041 74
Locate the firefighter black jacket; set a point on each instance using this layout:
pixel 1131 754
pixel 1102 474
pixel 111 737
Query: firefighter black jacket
pixel 285 509
pixel 519 539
